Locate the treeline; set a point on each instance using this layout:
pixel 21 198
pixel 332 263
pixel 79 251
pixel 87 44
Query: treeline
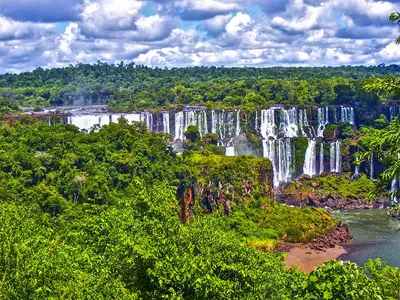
pixel 130 86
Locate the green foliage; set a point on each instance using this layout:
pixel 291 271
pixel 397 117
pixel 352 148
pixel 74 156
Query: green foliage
pixel 192 133
pixel 341 186
pixel 345 130
pixel 384 144
pixel 94 216
pixel 340 280
pixel 381 122
pixel 8 107
pixel 269 222
pixel 330 132
pixel 300 146
pixel 131 87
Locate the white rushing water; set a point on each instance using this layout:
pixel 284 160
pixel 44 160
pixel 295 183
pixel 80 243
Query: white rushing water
pixel 289 126
pixel 371 166
pixel 276 126
pixel 230 151
pixel 179 126
pixel 280 153
pixel 335 157
pixel 394 111
pixel 268 127
pixel 321 158
pixel 323 120
pixel 310 160
pixel 394 189
pixel 347 114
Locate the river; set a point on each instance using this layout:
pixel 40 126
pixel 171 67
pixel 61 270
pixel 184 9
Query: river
pixel 375 236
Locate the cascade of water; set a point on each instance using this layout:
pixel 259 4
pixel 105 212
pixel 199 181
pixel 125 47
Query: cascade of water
pixel 165 116
pixel 256 122
pixel 190 119
pixel 85 122
pixel 147 118
pixel 128 117
pixel 347 114
pixel 268 127
pixel 303 122
pixel 213 122
pixel 371 173
pixel 394 112
pixel 310 159
pixel 289 126
pixel 394 190
pixel 230 151
pixel 237 123
pixel 280 153
pixel 321 158
pixel 323 120
pixel 201 122
pixel 205 123
pixel 335 157
pixel 179 126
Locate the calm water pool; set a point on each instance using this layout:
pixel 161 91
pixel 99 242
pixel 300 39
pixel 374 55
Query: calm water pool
pixel 375 236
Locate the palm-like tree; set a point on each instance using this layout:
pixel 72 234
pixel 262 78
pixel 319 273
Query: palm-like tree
pixel 395 19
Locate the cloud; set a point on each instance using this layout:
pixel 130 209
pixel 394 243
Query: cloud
pixel 15 30
pixel 195 10
pixel 43 11
pixel 194 32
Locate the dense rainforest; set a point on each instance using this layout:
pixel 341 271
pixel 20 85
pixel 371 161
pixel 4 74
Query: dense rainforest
pixel 132 87
pixel 99 216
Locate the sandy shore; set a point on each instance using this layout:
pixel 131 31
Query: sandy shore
pixel 307 259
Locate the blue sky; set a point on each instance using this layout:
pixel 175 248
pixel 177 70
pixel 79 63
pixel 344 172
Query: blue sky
pixel 52 33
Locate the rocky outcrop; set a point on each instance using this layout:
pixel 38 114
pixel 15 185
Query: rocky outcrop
pixel 335 236
pixel 303 199
pixel 313 192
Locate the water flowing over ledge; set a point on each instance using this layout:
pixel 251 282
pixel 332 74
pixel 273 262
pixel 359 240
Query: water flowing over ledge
pixel 278 129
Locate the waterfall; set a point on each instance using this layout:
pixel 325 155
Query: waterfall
pixel 347 114
pixel 303 122
pixel 289 126
pixel 310 160
pixel 321 158
pixel 394 190
pixel 147 118
pixel 280 153
pixel 201 122
pixel 268 127
pixel 371 174
pixel 394 112
pixel 237 123
pixel 230 151
pixel 335 157
pixel 85 122
pixel 323 120
pixel 256 122
pixel 179 126
pixel 128 117
pixel 165 116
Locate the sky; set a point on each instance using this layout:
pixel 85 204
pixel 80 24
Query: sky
pixel 260 33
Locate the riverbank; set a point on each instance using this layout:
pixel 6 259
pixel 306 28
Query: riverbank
pixel 307 259
pixel 307 256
